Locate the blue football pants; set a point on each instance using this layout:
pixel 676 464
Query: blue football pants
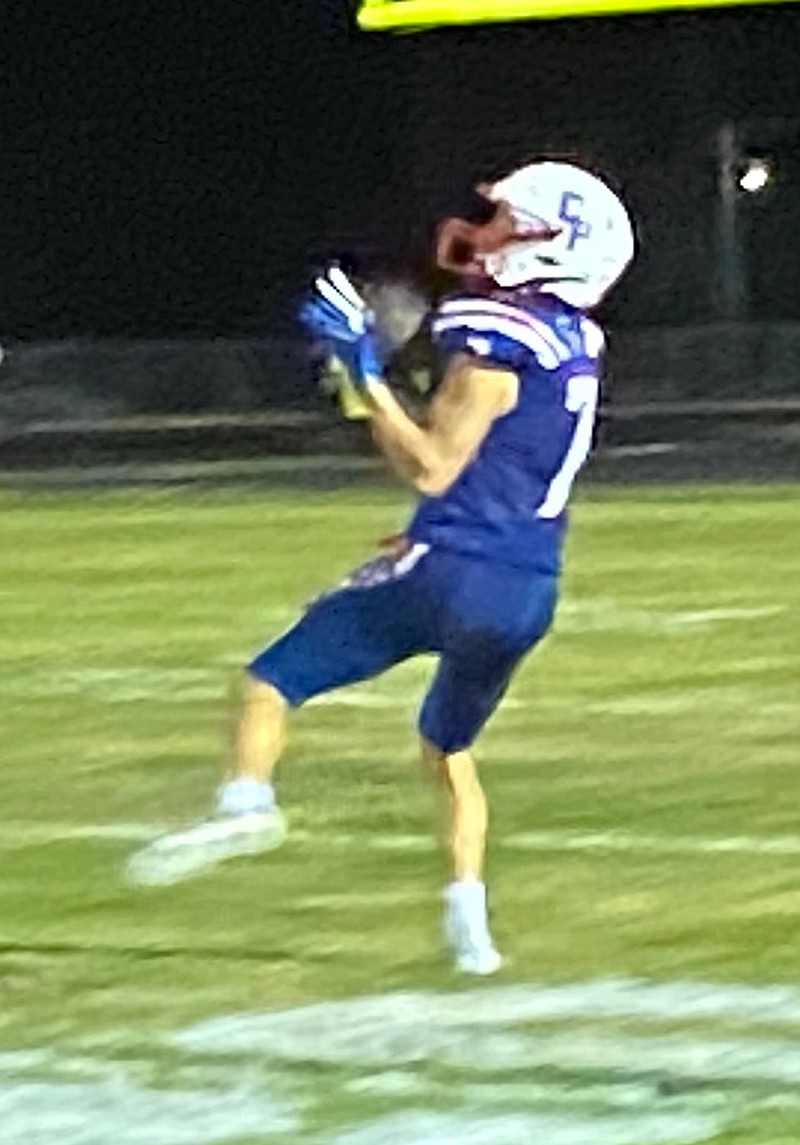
pixel 479 617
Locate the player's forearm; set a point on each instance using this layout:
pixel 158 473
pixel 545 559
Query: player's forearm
pixel 408 447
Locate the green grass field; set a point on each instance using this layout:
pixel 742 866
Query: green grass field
pixel 643 777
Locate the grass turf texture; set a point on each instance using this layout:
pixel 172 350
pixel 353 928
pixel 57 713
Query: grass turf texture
pixel 664 706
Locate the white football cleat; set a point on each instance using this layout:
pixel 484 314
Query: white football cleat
pixel 183 854
pixel 481 960
pixel 468 937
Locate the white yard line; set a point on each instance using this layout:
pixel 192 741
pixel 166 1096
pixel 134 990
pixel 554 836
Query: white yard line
pixel 433 1127
pixel 397 1029
pixel 336 900
pixel 118 1109
pixel 16 834
pixel 653 844
pixel 541 1062
pixel 600 841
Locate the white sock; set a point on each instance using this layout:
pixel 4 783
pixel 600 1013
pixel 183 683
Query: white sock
pixel 245 797
pixel 468 898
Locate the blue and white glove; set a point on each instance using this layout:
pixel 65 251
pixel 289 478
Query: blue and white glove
pixel 338 315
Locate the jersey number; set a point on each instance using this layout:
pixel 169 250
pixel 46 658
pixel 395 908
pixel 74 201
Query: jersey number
pixel 580 399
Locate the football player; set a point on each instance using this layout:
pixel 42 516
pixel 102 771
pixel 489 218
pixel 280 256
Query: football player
pixel 474 579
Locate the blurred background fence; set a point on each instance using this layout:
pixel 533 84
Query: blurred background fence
pixel 156 217
pixel 716 400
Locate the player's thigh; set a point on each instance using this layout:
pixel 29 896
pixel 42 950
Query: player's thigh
pixel 348 635
pixel 461 699
pixel 482 647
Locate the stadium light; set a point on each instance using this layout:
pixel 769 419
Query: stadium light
pixel 755 175
pixel 417 15
pixel 741 172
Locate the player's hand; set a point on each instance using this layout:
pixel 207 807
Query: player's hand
pixel 337 315
pixel 336 384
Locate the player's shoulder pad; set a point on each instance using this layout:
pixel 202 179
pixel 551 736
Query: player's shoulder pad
pixel 498 332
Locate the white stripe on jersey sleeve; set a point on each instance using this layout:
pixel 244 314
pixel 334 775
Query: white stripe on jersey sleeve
pixel 594 339
pixel 492 324
pixel 511 313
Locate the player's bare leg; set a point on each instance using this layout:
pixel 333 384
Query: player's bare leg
pixel 465 813
pixel 247 821
pixel 465 824
pixel 259 732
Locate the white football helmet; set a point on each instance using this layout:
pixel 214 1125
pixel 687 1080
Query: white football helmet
pixel 572 236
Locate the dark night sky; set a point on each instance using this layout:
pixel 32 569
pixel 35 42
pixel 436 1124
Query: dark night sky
pixel 170 167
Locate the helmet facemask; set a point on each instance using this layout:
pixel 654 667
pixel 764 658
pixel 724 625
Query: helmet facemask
pixel 471 248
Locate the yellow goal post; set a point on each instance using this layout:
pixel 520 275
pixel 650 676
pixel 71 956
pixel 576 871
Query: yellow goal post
pixel 417 15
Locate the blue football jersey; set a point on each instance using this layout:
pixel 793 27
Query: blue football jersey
pixel 508 504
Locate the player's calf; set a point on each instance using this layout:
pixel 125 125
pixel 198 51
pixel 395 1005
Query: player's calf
pixel 466 924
